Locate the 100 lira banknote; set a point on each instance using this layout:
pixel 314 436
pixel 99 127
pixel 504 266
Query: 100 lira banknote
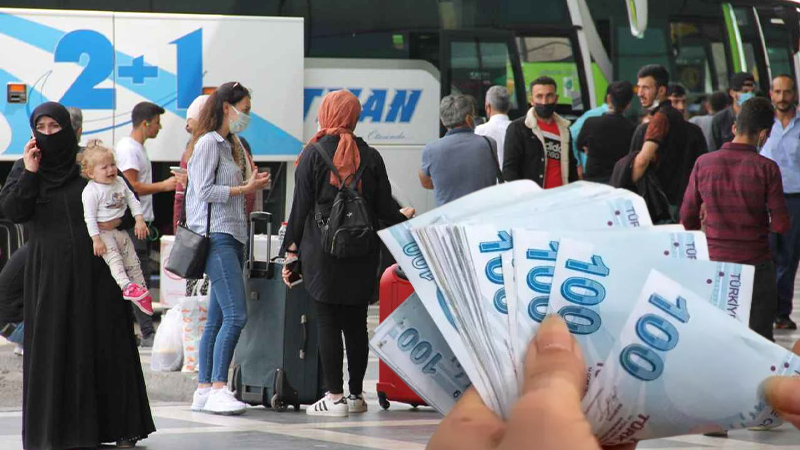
pixel 411 345
pixel 682 366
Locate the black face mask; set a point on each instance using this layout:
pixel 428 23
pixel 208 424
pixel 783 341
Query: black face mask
pixel 545 111
pixel 57 149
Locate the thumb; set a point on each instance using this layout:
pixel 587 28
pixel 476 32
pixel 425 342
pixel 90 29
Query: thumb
pixel 783 394
pixel 549 411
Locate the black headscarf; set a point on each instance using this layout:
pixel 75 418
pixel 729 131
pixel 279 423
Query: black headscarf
pixel 59 150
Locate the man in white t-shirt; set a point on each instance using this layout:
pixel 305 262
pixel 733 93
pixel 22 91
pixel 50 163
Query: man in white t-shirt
pixel 135 165
pixel 497 105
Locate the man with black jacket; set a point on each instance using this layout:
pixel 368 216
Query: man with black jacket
pixel 668 145
pixel 538 145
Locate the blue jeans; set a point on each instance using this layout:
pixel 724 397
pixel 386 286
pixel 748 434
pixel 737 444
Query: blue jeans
pixel 786 255
pixel 227 308
pixel 18 334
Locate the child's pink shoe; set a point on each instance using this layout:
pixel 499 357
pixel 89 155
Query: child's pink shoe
pixel 145 304
pixel 133 292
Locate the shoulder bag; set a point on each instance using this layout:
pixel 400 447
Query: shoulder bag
pixel 499 169
pixel 189 251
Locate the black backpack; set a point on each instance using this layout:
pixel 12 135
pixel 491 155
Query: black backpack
pixel 347 232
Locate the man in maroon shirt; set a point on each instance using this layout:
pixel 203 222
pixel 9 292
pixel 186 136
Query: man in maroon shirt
pixel 743 197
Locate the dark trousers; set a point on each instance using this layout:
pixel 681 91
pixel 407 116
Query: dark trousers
pixel 765 300
pixel 334 320
pixel 786 255
pixel 142 247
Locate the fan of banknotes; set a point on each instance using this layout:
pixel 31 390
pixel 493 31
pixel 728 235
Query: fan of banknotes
pixel 663 329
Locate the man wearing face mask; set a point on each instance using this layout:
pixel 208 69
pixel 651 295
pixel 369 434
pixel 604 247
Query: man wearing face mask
pixel 741 90
pixel 737 230
pixel 461 162
pixel 538 145
pixel 135 165
pixel 783 147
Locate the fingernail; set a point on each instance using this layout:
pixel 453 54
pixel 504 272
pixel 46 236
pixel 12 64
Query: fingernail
pixel 553 333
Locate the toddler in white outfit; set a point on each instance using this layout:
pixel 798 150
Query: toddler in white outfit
pixel 105 198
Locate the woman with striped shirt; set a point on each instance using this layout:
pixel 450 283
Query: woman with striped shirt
pixel 216 181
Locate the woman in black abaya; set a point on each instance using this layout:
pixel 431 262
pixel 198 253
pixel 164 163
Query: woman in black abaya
pixel 83 382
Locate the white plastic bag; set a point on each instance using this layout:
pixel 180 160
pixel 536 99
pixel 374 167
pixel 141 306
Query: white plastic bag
pixel 168 344
pixel 194 312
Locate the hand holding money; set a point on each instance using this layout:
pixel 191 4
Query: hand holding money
pixel 662 330
pixel 549 415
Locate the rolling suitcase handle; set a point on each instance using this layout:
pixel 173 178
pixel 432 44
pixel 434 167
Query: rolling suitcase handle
pixel 260 269
pixel 304 324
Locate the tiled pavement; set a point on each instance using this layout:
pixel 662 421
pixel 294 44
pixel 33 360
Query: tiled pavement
pixel 399 428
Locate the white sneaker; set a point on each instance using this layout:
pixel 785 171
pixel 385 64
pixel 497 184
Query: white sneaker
pixel 327 407
pixel 356 403
pixel 200 398
pixel 18 350
pixel 223 402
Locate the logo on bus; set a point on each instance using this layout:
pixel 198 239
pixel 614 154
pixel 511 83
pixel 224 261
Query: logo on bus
pixel 377 105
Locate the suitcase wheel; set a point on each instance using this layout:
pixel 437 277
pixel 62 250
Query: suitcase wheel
pixel 279 405
pixel 236 382
pixel 383 401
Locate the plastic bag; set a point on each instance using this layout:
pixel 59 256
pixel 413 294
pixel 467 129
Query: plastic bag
pixel 194 312
pixel 168 345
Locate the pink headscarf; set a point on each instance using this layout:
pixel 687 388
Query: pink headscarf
pixel 338 114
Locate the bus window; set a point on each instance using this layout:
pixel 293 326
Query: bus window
pixel 552 57
pixel 777 42
pixel 699 55
pixel 476 64
pixel 751 42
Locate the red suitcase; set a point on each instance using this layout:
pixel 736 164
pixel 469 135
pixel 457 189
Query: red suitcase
pixel 395 289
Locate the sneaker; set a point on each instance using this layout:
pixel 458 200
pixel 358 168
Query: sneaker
pixel 200 398
pixel 18 350
pixel 145 304
pixel 133 292
pixel 223 402
pixel 147 342
pixel 785 323
pixel 327 407
pixel 356 404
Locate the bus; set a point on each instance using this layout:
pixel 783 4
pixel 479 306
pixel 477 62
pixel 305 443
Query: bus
pixel 380 49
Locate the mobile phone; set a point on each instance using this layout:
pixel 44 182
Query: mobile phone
pixel 295 277
pixel 178 169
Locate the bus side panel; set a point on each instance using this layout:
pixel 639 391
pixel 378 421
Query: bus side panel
pixel 105 63
pixel 400 106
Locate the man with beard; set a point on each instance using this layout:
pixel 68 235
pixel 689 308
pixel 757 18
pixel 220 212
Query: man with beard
pixel 538 145
pixel 783 147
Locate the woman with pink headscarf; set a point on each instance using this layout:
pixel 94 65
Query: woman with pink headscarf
pixel 341 288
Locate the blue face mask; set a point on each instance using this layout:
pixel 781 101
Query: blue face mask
pixel 745 96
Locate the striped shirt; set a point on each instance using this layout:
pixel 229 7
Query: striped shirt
pixel 212 173
pixel 743 195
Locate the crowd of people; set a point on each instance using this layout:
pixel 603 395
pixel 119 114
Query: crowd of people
pixel 733 173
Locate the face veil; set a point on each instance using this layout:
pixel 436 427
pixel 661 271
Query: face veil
pixel 59 150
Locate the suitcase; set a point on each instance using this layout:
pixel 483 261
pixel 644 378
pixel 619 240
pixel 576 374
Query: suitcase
pixel 395 289
pixel 276 363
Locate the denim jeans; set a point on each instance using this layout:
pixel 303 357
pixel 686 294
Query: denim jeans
pixel 227 307
pixel 18 334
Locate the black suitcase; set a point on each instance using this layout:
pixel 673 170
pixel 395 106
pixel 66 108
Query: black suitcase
pixel 276 363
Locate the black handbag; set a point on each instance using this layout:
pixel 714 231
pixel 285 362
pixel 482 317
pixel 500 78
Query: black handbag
pixel 189 251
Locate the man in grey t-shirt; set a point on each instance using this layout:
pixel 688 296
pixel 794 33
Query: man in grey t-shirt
pixel 461 162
